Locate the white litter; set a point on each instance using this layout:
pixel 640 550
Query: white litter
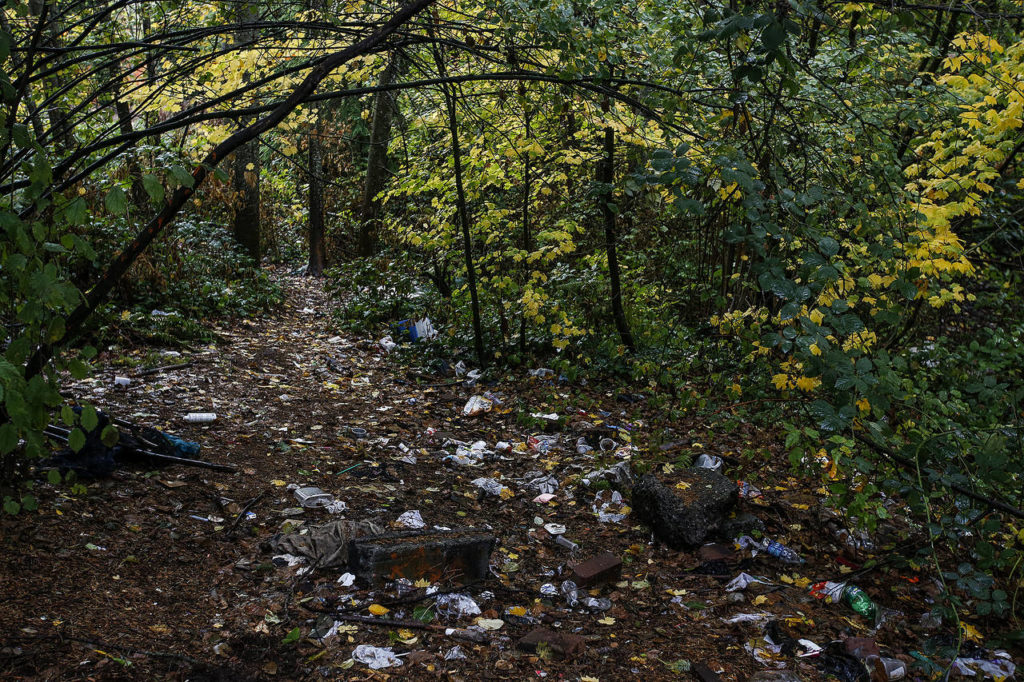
pixel 456 605
pixel 376 657
pixel 412 519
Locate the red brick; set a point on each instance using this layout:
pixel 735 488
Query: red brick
pixel 562 644
pixel 602 568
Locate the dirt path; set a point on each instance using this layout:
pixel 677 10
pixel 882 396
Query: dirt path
pixel 147 575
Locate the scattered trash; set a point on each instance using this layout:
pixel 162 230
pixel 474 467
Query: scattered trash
pixel 853 596
pixel 544 498
pixel 471 455
pixel 311 498
pixel 609 507
pixel 775 549
pixel 346 580
pixel 456 605
pixel 455 654
pixel 122 381
pixel 387 344
pixel 1000 667
pixel 541 483
pixel 200 417
pixel 748 491
pixel 376 657
pixel 411 519
pixel 743 581
pixel 415 330
pixel 541 373
pixel 891 669
pixel 492 487
pixel 541 443
pixel 554 528
pixel 476 405
pixel 709 462
pixel 619 475
pixel 567 543
pixel 581 446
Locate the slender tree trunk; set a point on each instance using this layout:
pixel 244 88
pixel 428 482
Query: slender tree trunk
pixel 384 108
pixel 527 236
pixel 463 213
pixel 315 268
pixel 316 231
pixel 606 176
pixel 246 223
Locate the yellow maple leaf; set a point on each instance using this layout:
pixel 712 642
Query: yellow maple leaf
pixel 378 610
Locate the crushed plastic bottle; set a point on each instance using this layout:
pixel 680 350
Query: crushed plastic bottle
pixel 571 593
pixel 581 446
pixel 596 604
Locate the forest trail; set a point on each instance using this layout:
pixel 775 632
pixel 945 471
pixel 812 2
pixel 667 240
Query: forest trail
pixel 148 575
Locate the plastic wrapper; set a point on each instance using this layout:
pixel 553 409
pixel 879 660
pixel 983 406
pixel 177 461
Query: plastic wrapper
pixel 581 446
pixel 376 657
pixel 455 605
pixel 492 487
pixel 412 519
pixel 541 373
pixel 999 667
pixel 455 654
pixel 476 405
pixel 709 462
pixel 747 491
pixel 743 581
pixel 387 344
pixel 610 508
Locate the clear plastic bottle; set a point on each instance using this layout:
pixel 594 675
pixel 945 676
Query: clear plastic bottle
pixel 779 550
pixel 200 417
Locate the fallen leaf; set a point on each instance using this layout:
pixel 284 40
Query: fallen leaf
pixel 378 610
pixel 607 620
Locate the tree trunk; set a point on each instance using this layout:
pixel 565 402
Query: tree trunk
pixel 606 176
pixel 246 181
pixel 384 107
pixel 315 268
pixel 460 194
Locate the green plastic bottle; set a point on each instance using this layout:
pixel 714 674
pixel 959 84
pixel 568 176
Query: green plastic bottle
pixel 859 601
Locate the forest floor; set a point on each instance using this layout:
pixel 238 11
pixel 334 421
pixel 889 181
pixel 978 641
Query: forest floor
pixel 163 573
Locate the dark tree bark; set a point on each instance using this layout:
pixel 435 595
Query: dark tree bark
pixel 384 109
pixel 317 257
pixel 606 177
